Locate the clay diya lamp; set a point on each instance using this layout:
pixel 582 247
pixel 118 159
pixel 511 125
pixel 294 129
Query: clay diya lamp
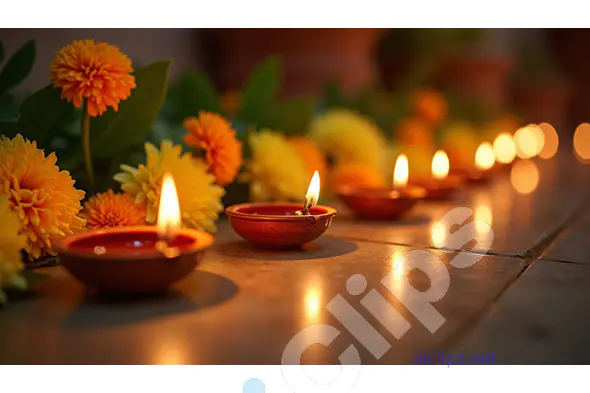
pixel 484 163
pixel 282 225
pixel 140 259
pixel 373 203
pixel 441 184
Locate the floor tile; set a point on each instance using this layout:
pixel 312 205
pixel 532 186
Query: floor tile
pixel 244 305
pixel 519 222
pixel 572 245
pixel 541 319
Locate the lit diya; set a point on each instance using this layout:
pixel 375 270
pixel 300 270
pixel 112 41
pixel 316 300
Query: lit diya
pixel 137 259
pixel 484 162
pixel 374 203
pixel 282 225
pixel 441 184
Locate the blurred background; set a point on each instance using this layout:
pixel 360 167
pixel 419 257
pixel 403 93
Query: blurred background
pixel 424 89
pixel 539 74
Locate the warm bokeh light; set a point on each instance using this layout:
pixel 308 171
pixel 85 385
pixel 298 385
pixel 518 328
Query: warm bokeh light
pixel 551 141
pixel 313 191
pixel 169 209
pixel 438 233
pixel 524 176
pixel 483 215
pixel 582 142
pixel 440 165
pixel 484 156
pixel 401 172
pixel 529 141
pixel 504 148
pixel 312 301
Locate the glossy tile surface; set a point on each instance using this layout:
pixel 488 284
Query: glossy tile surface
pixel 244 305
pixel 519 221
pixel 541 319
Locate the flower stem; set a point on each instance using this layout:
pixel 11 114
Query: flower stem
pixel 85 124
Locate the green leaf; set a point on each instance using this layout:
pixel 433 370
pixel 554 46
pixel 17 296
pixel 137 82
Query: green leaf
pixel 292 117
pixel 18 67
pixel 1 52
pixel 9 129
pixel 259 92
pixel 40 114
pixel 113 132
pixel 192 92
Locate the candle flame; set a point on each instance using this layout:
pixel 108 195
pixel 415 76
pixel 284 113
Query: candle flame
pixel 169 210
pixel 401 172
pixel 440 165
pixel 484 156
pixel 313 191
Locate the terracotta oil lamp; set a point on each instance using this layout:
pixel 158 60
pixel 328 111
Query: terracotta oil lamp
pixel 282 225
pixel 484 164
pixel 440 185
pixel 138 259
pixel 372 203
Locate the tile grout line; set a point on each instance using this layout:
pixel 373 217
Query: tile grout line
pixel 530 257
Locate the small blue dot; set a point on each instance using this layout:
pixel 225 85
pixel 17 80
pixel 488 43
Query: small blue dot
pixel 253 385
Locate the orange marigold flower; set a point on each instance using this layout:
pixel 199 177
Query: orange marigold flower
pixel 356 175
pixel 430 105
pixel 110 210
pixel 97 72
pixel 45 199
pixel 214 134
pixel 313 158
pixel 414 132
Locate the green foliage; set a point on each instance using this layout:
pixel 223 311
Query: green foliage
pixel 114 132
pixel 291 117
pixel 42 114
pixel 424 50
pixel 191 93
pixel 18 67
pixel 259 92
pixel 1 52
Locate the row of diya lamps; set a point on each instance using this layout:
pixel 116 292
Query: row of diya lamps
pixel 147 259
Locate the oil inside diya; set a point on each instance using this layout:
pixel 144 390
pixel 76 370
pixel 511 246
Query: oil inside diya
pixel 372 203
pixel 279 225
pixel 132 259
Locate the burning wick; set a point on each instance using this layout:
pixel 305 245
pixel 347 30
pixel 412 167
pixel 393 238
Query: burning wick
pixel 312 195
pixel 168 217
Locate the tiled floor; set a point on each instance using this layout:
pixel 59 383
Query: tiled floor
pixel 244 305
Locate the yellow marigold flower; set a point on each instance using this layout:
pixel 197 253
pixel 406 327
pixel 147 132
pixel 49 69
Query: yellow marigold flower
pixel 430 105
pixel 214 134
pixel 45 199
pixel 97 72
pixel 199 197
pixel 276 171
pixel 313 158
pixel 356 175
pixel 350 137
pixel 110 210
pixel 11 244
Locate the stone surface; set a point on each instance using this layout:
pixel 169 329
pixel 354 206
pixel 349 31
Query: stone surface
pixel 573 245
pixel 541 319
pixel 243 305
pixel 520 222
